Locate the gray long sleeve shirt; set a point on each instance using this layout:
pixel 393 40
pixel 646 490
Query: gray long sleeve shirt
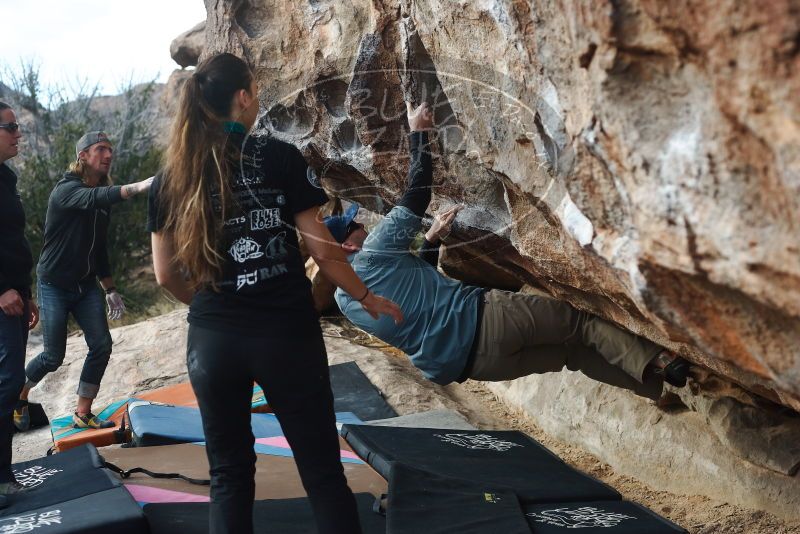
pixel 75 232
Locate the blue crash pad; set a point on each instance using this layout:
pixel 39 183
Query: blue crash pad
pixel 160 424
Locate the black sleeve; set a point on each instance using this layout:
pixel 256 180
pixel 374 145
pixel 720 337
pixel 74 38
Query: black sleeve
pixel 429 252
pixel 420 175
pixel 75 195
pixel 155 217
pixel 302 187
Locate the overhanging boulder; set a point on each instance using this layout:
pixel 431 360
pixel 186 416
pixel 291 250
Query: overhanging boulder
pixel 637 159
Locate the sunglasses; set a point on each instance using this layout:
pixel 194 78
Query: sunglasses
pixel 10 126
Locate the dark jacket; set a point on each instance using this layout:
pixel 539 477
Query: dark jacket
pixel 16 260
pixel 75 232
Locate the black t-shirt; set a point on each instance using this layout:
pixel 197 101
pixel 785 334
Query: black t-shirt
pixel 263 290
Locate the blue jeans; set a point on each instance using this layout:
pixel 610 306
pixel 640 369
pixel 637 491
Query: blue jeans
pixel 13 337
pixel 87 305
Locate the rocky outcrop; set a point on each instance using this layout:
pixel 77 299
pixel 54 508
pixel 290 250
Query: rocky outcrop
pixel 171 96
pixel 640 159
pixel 186 48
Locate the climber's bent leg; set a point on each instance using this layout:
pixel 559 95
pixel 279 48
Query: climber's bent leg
pixel 512 323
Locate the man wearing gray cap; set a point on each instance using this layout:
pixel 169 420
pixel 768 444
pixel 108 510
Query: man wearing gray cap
pixel 74 255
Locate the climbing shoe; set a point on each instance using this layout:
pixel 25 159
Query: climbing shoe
pixel 10 488
pixel 22 418
pixel 7 490
pixel 90 420
pixel 673 369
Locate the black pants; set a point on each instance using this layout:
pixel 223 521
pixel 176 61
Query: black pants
pixel 13 337
pixel 293 372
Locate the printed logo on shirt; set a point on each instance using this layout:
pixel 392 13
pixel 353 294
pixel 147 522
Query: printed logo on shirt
pixel 251 278
pixel 275 247
pixel 265 219
pixel 247 279
pixel 280 200
pixel 583 517
pixel 260 141
pixel 248 178
pixel 244 249
pixel 29 522
pixel 477 442
pixel 236 221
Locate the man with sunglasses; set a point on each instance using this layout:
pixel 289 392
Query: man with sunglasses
pixel 18 313
pixel 74 258
pixel 453 332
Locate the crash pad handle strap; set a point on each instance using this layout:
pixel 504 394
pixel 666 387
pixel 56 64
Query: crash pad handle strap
pixel 125 473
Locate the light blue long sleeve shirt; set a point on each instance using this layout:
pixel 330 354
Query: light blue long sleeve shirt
pixel 440 313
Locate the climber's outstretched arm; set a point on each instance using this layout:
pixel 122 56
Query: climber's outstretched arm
pixel 420 170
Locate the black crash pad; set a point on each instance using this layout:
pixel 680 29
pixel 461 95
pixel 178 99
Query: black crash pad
pixel 353 392
pixel 420 501
pixel 110 511
pixel 62 477
pixel 500 459
pixel 605 517
pixel 286 516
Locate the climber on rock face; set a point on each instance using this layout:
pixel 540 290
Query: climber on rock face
pixel 454 331
pixel 74 259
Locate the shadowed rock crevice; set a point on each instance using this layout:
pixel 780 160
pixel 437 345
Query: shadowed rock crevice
pixel 345 137
pixel 253 18
pixel 295 119
pixel 333 95
pixel 421 83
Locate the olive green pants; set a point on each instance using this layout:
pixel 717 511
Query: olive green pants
pixel 524 334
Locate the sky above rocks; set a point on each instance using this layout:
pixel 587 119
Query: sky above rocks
pixel 109 43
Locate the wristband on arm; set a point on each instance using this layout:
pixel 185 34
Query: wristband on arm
pixel 365 296
pixel 110 290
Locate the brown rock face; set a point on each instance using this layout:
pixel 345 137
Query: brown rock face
pixel 186 48
pixel 638 158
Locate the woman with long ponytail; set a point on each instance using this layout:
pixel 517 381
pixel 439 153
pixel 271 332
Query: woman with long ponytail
pixel 223 217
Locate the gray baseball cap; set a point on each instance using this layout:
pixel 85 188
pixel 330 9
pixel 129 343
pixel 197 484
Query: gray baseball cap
pixel 89 139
